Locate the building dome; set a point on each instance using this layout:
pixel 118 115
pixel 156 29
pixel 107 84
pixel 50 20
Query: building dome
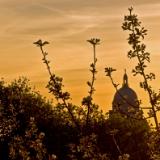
pixel 125 99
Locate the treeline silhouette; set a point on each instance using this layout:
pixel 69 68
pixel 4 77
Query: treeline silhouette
pixel 32 128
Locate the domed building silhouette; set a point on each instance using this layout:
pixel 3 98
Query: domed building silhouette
pixel 125 99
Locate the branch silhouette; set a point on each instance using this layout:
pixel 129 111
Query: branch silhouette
pixel 55 85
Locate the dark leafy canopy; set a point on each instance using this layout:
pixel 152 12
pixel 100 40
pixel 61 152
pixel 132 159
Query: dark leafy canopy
pixel 130 135
pixel 32 127
pixel 18 104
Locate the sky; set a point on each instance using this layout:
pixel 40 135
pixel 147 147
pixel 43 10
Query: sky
pixel 67 24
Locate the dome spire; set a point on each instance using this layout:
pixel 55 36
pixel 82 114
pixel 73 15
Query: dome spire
pixel 125 79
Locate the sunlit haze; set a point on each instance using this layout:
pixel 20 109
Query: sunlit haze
pixel 67 24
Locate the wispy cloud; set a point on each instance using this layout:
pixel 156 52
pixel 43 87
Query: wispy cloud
pixel 68 23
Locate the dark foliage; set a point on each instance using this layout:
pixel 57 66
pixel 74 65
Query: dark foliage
pixel 31 128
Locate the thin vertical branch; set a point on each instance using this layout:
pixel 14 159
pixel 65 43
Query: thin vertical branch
pixel 137 34
pixel 55 85
pixel 113 133
pixel 94 42
pixel 149 94
pixel 117 146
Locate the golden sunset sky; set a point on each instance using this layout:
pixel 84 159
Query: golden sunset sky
pixel 67 24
